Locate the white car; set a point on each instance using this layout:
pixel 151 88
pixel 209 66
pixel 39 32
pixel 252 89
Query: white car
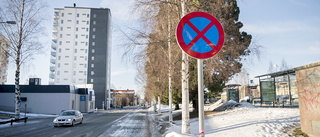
pixel 68 118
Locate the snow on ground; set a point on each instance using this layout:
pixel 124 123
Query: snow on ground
pixel 29 115
pixel 243 121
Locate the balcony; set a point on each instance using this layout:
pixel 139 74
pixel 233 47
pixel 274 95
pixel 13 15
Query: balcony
pixel 51 75
pixel 53 61
pixel 53 53
pixel 52 68
pixel 54 46
pixel 54 37
pixel 54 31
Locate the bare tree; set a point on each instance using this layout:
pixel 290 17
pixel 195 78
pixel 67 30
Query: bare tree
pixel 24 35
pixel 270 70
pixel 284 65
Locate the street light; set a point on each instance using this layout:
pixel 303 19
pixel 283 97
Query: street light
pixel 9 22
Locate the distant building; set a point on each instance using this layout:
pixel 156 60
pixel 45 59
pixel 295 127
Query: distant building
pixel 124 97
pixel 4 48
pixel 81 47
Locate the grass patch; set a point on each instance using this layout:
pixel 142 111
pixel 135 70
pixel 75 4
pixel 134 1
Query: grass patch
pixel 298 132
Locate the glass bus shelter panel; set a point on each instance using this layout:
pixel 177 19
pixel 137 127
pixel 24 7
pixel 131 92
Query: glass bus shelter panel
pixel 268 93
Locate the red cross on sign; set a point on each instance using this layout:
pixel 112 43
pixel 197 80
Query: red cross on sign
pixel 200 35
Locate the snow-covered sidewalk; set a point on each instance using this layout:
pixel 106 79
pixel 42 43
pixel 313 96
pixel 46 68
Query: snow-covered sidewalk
pixel 243 122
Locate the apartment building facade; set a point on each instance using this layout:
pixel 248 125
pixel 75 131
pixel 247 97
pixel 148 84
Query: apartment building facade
pixel 81 49
pixel 4 48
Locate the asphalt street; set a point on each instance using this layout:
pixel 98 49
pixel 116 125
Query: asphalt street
pixel 115 123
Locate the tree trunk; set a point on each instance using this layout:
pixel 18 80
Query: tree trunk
pixel 17 86
pixel 159 105
pixel 185 85
pixel 169 66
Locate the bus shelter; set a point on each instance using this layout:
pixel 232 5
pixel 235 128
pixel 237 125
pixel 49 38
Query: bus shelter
pixel 279 88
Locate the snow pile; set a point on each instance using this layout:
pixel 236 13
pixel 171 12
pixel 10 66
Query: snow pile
pixel 243 122
pixel 215 105
pixel 222 105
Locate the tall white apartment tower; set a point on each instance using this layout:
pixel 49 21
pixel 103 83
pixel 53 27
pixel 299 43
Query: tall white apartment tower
pixel 81 49
pixel 4 48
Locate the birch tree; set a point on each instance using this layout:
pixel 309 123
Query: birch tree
pixel 24 35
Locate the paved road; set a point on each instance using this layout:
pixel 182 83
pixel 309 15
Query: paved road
pixel 116 123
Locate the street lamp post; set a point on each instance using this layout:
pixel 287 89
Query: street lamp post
pixel 9 22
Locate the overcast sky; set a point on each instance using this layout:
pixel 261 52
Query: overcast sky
pixel 288 30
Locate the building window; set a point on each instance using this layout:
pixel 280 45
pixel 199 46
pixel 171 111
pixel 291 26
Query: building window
pixel 68 34
pixel 92 58
pixel 60 35
pixel 93 36
pixel 85 72
pixel 91 80
pixel 68 27
pixel 87 22
pixel 77 29
pixel 75 57
pixel 61 28
pixel 85 58
pixel 61 21
pixel 58 65
pixel 74 72
pixel 94 15
pixel 66 56
pixel 69 20
pixel 74 65
pixel 77 21
pixel 88 16
pixel 93 51
pixel 85 65
pixel 94 22
pixel 92 65
pixel 67 41
pixel 59 58
pixel 62 14
pixel 94 29
pixel 67 49
pixel 75 50
pixel 86 36
pixel 93 43
pixel 58 72
pixel 76 35
pixel 92 73
pixel 65 71
pixel 59 50
pixel 76 43
pixel 69 13
pixel 78 15
pixel 87 29
pixel 86 43
pixel 66 64
pixel 86 51
pixel 60 42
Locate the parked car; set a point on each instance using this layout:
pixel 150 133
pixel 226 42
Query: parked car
pixel 68 118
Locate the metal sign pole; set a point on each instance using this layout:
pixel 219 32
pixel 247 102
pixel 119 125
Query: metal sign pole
pixel 200 97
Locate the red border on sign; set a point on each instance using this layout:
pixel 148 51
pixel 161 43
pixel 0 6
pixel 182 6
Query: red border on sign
pixel 186 48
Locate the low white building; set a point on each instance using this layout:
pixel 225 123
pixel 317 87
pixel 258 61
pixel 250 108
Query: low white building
pixel 47 99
